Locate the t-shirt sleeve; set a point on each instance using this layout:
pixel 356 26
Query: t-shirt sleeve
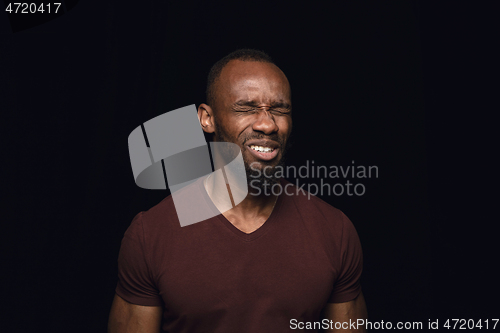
pixel 347 286
pixel 135 282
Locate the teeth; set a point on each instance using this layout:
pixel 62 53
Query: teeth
pixel 262 149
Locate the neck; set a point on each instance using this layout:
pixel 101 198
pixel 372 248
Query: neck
pixel 247 212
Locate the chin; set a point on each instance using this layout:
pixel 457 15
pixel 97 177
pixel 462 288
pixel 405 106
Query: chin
pixel 260 165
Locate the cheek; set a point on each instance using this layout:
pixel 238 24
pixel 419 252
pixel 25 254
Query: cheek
pixel 285 125
pixel 229 126
pixel 243 126
pixel 241 123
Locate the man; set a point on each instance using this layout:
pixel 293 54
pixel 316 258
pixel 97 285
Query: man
pixel 273 263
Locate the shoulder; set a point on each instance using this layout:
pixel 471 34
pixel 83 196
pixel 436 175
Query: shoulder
pixel 312 206
pixel 162 222
pixel 164 216
pixel 328 225
pixel 156 222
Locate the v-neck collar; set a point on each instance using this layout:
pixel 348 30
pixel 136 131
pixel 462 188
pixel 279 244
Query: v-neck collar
pixel 248 237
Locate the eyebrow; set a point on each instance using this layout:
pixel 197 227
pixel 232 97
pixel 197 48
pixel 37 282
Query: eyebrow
pixel 254 104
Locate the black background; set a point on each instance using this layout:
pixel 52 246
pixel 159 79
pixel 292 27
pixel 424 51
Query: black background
pixel 406 86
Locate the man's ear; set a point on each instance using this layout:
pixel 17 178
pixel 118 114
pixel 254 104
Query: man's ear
pixel 206 118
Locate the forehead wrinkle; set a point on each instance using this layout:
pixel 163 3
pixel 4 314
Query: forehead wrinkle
pixel 237 81
pixel 269 90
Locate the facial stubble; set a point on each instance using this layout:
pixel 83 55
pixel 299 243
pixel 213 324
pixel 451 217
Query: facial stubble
pixel 266 175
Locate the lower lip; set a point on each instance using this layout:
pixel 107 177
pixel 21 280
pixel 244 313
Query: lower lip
pixel 264 156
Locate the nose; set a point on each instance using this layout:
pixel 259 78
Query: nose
pixel 265 123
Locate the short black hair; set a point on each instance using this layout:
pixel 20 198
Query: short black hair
pixel 241 54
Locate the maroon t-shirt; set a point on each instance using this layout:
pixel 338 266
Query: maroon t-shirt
pixel 212 277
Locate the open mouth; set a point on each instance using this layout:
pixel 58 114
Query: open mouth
pixel 262 149
pixel 265 153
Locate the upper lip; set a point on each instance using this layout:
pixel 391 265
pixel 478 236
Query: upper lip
pixel 263 143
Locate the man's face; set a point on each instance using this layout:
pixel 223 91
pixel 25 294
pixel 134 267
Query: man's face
pixel 253 110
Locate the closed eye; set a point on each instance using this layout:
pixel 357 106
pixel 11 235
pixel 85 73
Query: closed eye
pixel 281 111
pixel 245 110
